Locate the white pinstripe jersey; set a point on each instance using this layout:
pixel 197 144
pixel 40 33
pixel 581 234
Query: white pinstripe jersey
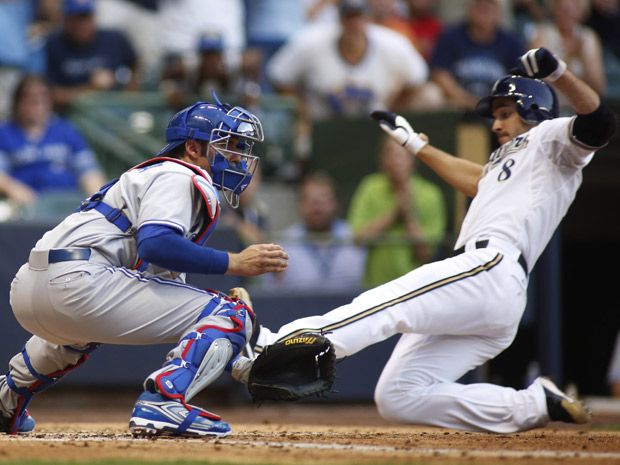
pixel 165 193
pixel 527 187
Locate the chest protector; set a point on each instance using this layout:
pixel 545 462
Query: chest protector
pixel 116 216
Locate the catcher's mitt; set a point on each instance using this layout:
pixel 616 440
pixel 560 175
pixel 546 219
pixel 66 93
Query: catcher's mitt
pixel 294 368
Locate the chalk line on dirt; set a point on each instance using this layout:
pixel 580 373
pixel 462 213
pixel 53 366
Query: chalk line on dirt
pixel 417 451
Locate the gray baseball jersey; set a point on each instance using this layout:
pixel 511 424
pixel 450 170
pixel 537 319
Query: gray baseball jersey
pixel 165 193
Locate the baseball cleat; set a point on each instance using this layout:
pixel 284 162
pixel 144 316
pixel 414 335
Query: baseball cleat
pixel 560 406
pixel 25 424
pixel 155 415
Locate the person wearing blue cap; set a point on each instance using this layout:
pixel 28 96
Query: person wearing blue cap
pixel 81 57
pixel 212 73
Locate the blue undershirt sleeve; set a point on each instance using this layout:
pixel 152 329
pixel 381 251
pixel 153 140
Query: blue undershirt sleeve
pixel 166 247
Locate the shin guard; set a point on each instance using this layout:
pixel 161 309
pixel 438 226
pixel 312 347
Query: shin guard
pixel 202 354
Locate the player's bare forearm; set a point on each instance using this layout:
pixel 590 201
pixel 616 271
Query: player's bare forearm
pixel 461 174
pixel 257 259
pixel 580 95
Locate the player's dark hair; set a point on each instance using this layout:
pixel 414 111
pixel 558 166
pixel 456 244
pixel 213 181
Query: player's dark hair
pixel 176 152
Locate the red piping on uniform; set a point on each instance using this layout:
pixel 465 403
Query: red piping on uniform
pixel 213 217
pixel 154 160
pixel 13 426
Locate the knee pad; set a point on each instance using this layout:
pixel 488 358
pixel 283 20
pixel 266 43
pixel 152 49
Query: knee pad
pixel 202 354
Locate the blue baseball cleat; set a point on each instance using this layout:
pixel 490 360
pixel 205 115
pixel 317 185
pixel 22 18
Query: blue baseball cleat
pixel 24 424
pixel 156 415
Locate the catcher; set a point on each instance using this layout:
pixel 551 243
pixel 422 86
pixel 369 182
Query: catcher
pixel 114 273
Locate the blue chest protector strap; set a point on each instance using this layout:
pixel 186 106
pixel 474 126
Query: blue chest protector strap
pixel 113 215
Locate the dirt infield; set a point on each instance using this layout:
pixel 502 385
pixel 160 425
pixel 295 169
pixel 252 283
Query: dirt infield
pixel 303 434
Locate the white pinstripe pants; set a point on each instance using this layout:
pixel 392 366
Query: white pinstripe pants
pixel 454 315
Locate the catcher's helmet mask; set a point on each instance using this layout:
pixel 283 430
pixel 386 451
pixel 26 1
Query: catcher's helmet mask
pixel 231 133
pixel 536 101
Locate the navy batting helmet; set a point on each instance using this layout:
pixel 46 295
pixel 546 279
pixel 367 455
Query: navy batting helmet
pixel 536 100
pixel 231 133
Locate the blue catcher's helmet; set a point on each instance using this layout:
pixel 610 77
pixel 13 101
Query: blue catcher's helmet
pixel 231 133
pixel 536 100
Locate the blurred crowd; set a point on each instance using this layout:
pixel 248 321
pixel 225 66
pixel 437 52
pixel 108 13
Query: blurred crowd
pixel 329 58
pixel 338 58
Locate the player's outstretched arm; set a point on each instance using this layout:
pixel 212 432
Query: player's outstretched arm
pixel 257 259
pixel 168 248
pixel 461 174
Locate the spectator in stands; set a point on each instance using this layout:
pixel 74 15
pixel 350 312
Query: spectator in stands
pixel 212 73
pixel 24 26
pixel 248 84
pixel 398 215
pixel 321 253
pixel 270 24
pixel 41 153
pixel 526 14
pixel 81 57
pixel 320 11
pixel 470 56
pixel 613 375
pixel 425 25
pixel 350 68
pixel 573 42
pixel 386 13
pixel 182 22
pixel 138 20
pixel 604 19
pixel 181 85
pixel 175 81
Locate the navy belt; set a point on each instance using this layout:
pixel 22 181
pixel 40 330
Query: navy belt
pixel 66 255
pixel 483 244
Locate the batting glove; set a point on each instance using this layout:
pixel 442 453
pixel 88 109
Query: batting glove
pixel 541 63
pixel 400 129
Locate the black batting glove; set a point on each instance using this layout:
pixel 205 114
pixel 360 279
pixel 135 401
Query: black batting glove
pixel 540 63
